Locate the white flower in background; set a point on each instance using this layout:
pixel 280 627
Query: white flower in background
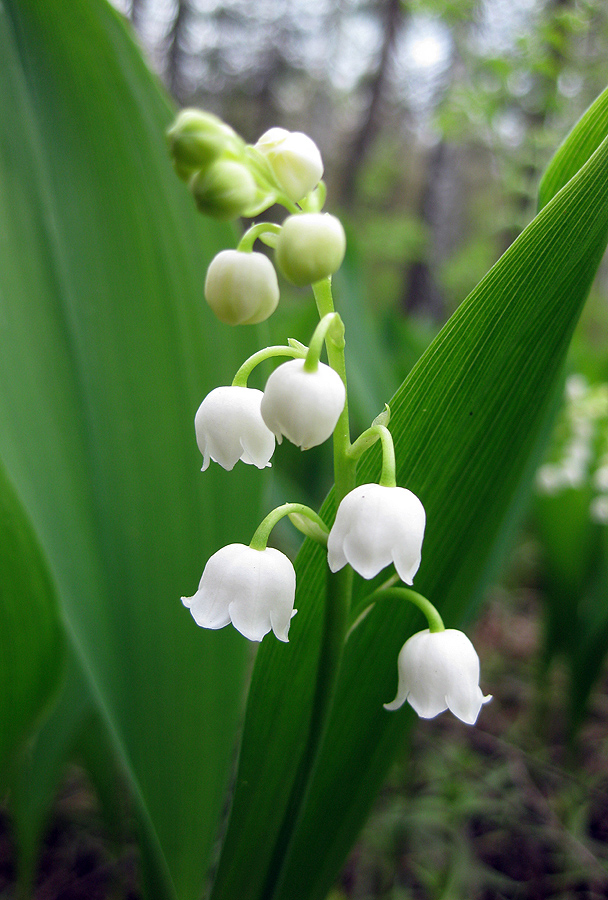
pixel 579 457
pixel 241 288
pixel 303 406
pixel 375 526
pixel 294 159
pixel 437 671
pixel 253 589
pixel 600 478
pixel 576 387
pixel 598 509
pixel 229 427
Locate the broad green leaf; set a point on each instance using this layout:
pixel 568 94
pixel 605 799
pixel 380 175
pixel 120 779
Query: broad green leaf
pixel 31 645
pixel 106 350
pixel 75 731
pixel 467 423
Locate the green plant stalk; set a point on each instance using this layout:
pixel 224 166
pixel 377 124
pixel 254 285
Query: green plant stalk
pixel 265 231
pixel 335 623
pixel 425 606
pixel 240 379
pixel 262 532
pixel 339 589
pixel 367 440
pixel 344 466
pixel 329 328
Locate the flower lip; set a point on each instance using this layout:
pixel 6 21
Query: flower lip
pixel 229 427
pixel 253 589
pixel 375 526
pixel 438 671
pixel 303 406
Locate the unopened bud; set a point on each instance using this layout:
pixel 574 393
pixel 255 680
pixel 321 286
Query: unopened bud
pixel 294 159
pixel 241 288
pixel 198 138
pixel 310 246
pixel 226 190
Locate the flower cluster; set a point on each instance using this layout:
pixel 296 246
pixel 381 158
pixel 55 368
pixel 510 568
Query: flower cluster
pixel 228 179
pixel 579 456
pixel 377 525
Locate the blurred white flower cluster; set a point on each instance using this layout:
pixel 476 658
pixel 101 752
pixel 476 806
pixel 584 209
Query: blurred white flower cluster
pixel 579 455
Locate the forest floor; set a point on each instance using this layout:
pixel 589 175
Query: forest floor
pixel 500 811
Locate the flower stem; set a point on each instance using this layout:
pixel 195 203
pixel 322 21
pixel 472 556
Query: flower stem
pixel 335 625
pixel 262 532
pixel 330 657
pixel 330 328
pixel 240 379
pixel 259 230
pixel 366 440
pixel 425 606
pixel 344 467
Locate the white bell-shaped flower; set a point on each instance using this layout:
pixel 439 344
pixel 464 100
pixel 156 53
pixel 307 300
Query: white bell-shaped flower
pixel 253 589
pixel 439 670
pixel 241 288
pixel 376 526
pixel 294 159
pixel 304 406
pixel 229 427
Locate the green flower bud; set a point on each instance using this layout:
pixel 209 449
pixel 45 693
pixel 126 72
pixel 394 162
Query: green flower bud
pixel 241 288
pixel 196 139
pixel 310 246
pixel 294 159
pixel 226 190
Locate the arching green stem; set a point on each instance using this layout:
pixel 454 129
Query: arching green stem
pixel 317 530
pixel 344 466
pixel 295 351
pixel 315 201
pixel 425 606
pixel 259 230
pixel 367 440
pixel 262 532
pixel 330 328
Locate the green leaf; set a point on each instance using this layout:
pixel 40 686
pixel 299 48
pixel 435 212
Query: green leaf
pixel 30 631
pixel 106 350
pixel 34 784
pixel 581 142
pixel 467 424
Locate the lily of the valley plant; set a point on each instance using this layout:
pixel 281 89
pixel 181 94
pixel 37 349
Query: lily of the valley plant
pixel 305 400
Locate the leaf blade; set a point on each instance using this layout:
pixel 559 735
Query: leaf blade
pixel 32 639
pixel 101 282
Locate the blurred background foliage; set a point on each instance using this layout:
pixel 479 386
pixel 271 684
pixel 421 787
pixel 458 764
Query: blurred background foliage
pixel 435 119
